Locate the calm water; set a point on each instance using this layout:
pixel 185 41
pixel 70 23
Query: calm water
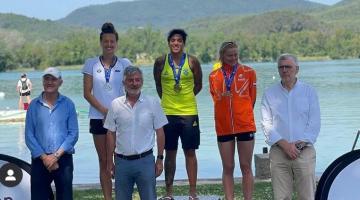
pixel 337 83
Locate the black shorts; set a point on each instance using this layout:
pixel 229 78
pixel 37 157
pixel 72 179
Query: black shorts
pixel 247 136
pixel 97 127
pixel 25 94
pixel 185 127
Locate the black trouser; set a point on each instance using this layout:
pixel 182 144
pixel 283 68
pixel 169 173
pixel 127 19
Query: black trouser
pixel 41 179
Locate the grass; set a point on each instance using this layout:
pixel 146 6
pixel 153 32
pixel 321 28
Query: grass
pixel 263 191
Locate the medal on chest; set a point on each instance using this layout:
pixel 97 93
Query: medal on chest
pixel 228 81
pixel 177 72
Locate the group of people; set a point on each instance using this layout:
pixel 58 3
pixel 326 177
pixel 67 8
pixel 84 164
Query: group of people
pixel 125 123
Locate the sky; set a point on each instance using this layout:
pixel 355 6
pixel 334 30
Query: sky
pixel 57 9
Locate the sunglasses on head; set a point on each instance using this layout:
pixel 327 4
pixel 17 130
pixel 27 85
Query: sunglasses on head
pixel 225 44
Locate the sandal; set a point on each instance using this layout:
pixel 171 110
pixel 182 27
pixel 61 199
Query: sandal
pixel 166 198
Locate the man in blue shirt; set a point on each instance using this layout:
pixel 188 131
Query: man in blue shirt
pixel 51 132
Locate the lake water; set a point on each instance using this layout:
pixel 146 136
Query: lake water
pixel 337 83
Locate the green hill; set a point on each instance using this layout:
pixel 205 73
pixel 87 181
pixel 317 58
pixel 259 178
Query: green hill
pixel 344 14
pixel 32 28
pixel 271 22
pixel 170 13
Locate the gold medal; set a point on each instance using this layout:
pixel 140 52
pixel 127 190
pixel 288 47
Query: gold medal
pixel 177 88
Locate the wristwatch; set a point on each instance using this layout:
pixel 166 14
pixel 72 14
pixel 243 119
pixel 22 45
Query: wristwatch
pixel 57 155
pixel 160 157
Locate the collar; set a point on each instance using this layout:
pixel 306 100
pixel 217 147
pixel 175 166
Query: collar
pixel 41 99
pixel 297 82
pixel 140 99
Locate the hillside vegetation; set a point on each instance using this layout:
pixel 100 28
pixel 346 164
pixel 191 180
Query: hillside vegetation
pixel 345 14
pixel 32 43
pixel 169 13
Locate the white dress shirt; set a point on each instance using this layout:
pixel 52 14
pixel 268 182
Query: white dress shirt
pixel 290 115
pixel 135 126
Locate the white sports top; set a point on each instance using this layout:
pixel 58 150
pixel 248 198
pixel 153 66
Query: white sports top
pixel 102 91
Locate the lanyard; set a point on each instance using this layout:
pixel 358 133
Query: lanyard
pixel 172 65
pixel 228 81
pixel 108 71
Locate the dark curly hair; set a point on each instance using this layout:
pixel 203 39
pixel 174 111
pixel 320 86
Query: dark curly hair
pixel 177 31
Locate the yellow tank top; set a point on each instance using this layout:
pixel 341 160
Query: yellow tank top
pixel 184 101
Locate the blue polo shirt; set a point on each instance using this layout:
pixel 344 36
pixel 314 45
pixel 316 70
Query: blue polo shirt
pixel 47 130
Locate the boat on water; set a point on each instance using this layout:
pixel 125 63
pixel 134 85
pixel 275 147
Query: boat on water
pixel 11 116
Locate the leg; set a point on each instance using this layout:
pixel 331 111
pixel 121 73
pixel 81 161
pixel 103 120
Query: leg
pixel 28 100
pixel 172 132
pixel 105 176
pixel 245 152
pixel 145 181
pixel 227 152
pixel 63 178
pixel 191 169
pixel 281 174
pixel 170 168
pixel 20 104
pixel 304 172
pixel 124 179
pixel 190 139
pixel 40 180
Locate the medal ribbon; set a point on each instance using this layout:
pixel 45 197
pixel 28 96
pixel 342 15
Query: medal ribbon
pixel 172 65
pixel 228 81
pixel 108 71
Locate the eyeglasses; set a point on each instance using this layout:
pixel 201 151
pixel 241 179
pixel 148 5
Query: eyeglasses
pixel 286 66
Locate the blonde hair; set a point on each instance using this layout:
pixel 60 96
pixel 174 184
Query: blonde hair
pixel 224 46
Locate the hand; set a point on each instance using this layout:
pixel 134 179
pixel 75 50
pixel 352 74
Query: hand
pixel 50 162
pixel 290 149
pixel 54 167
pixel 158 167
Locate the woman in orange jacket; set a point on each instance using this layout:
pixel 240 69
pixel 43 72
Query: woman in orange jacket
pixel 233 89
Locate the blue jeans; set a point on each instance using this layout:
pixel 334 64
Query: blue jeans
pixel 41 179
pixel 140 171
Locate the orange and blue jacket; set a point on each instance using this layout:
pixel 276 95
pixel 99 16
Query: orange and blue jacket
pixel 234 110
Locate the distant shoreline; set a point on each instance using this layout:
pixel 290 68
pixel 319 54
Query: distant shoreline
pixel 147 63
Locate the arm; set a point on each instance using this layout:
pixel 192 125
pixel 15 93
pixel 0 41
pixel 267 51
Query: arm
pixel 30 139
pixel 73 130
pixel 314 121
pixel 196 69
pixel 110 124
pixel 110 149
pixel 18 86
pixel 49 161
pixel 158 67
pixel 272 137
pixel 211 87
pixel 160 139
pixel 252 87
pixel 267 122
pixel 88 86
pixel 29 84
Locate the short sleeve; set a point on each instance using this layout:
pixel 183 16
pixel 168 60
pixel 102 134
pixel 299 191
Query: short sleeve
pixel 125 62
pixel 110 119
pixel 88 66
pixel 160 119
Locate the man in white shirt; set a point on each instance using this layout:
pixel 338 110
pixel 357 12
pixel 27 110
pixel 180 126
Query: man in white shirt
pixel 132 121
pixel 291 123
